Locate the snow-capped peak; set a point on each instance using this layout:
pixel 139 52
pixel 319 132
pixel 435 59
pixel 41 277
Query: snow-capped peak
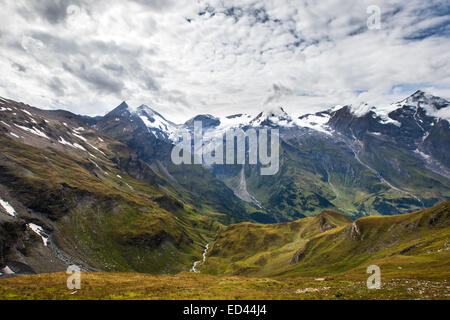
pixel 278 117
pixel 273 116
pixel 155 122
pixel 433 106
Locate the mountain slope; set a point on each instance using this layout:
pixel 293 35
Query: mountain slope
pixel 66 199
pixel 330 243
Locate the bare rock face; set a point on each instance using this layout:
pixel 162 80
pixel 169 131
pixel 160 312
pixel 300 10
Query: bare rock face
pixel 355 232
pixel 299 255
pixel 10 232
pixel 325 225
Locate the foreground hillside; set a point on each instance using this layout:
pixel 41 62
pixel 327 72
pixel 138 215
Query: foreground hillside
pixel 323 257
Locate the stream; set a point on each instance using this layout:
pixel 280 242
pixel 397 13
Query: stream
pixel 196 263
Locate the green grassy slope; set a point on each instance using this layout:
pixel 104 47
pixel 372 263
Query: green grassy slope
pixel 330 243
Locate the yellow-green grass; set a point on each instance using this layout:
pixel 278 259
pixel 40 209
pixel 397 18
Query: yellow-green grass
pixel 134 286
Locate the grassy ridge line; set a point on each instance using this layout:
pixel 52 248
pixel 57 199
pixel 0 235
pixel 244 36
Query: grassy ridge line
pixel 330 243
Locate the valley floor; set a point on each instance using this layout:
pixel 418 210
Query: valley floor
pixel 133 286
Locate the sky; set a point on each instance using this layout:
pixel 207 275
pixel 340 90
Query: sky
pixel 221 57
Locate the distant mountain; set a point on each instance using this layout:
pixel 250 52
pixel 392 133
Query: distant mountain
pixel 360 160
pixel 150 136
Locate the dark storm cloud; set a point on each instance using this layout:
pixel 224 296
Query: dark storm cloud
pixel 97 78
pixel 19 67
pixel 278 92
pixel 434 19
pixel 115 68
pixel 57 86
pixel 156 4
pixel 441 29
pixel 151 84
pixel 53 11
pixel 57 44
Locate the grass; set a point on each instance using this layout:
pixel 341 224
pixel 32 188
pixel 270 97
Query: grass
pixel 189 286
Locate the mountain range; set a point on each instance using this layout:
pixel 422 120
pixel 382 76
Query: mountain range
pixel 103 193
pixel 358 160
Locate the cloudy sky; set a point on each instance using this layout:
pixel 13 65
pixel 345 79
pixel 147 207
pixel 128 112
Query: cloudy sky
pixel 219 56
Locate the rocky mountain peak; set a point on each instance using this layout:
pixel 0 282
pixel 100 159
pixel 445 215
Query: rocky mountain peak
pixel 122 110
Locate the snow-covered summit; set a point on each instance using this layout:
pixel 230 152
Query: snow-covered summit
pixel 155 122
pixel 273 117
pixel 162 128
pixel 433 106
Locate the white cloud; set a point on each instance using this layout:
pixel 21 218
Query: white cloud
pixel 220 56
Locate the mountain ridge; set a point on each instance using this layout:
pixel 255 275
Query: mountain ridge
pixel 432 104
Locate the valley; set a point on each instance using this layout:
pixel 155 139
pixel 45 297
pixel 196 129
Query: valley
pixel 103 194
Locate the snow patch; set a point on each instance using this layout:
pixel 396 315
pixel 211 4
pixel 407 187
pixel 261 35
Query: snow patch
pixel 6 270
pixel 74 145
pixel 34 131
pixel 40 232
pixel 386 120
pixel 276 116
pixel 28 113
pixel 97 149
pixel 315 122
pixel 8 208
pixel 80 137
pixel 362 109
pixel 131 188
